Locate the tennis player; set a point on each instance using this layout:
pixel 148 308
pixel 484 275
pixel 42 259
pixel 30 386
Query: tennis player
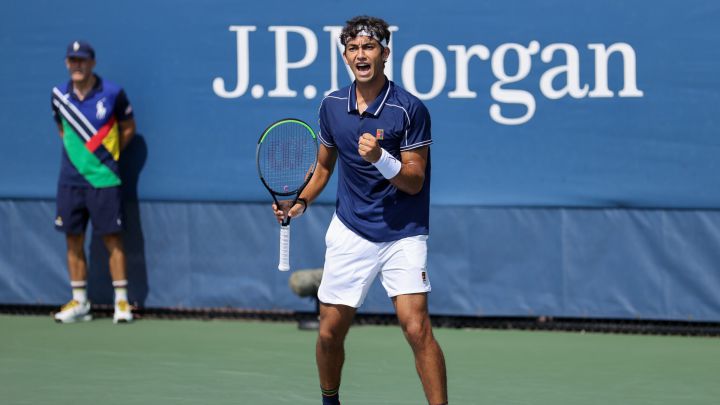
pixel 379 136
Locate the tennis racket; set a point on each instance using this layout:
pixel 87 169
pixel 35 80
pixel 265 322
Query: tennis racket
pixel 286 159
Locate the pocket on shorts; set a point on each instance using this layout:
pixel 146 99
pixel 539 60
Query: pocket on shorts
pixel 337 234
pixel 331 231
pixel 340 237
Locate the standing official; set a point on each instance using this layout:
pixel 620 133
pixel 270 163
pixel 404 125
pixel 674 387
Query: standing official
pixel 96 122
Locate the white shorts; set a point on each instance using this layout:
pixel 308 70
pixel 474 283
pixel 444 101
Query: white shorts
pixel 352 262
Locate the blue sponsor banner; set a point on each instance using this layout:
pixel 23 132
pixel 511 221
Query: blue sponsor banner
pixel 555 103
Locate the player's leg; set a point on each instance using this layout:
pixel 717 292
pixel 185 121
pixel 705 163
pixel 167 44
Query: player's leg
pixel 71 219
pixel 78 308
pixel 77 263
pixel 405 278
pixel 350 267
pixel 414 319
pixel 105 206
pixel 335 321
pixel 116 254
pixel 118 273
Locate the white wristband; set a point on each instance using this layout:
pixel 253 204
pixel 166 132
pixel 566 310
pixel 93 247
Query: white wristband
pixel 387 165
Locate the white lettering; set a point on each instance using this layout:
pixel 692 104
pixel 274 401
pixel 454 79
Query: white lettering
pixel 462 59
pixel 508 104
pixel 571 70
pixel 601 70
pixel 282 65
pixel 439 71
pixel 335 46
pixel 243 65
pixel 389 62
pixel 512 96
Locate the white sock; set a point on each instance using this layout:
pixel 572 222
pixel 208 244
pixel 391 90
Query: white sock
pixel 79 291
pixel 120 290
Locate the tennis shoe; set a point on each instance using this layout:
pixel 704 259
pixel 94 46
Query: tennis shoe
pixel 122 312
pixel 74 311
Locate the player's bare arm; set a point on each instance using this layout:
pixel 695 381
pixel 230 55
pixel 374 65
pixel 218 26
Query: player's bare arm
pixel 323 172
pixel 127 132
pixel 411 177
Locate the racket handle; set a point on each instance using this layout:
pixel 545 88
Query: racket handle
pixel 284 264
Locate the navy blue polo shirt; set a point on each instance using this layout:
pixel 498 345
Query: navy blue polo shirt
pixel 366 201
pixel 91 133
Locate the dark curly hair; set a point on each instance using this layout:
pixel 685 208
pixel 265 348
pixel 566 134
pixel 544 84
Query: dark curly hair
pixel 377 27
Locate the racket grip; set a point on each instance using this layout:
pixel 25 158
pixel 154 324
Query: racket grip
pixel 284 264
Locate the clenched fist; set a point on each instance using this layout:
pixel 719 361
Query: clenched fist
pixel 368 148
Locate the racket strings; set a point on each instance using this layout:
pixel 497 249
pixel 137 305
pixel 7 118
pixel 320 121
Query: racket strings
pixel 287 156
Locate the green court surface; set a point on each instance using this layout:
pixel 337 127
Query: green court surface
pixel 159 362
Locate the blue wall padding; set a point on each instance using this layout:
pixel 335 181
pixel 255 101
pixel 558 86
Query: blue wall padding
pixel 608 263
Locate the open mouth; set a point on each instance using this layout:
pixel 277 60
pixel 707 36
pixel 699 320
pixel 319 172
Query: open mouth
pixel 363 67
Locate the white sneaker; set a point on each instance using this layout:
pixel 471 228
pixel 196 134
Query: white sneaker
pixel 122 312
pixel 74 311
